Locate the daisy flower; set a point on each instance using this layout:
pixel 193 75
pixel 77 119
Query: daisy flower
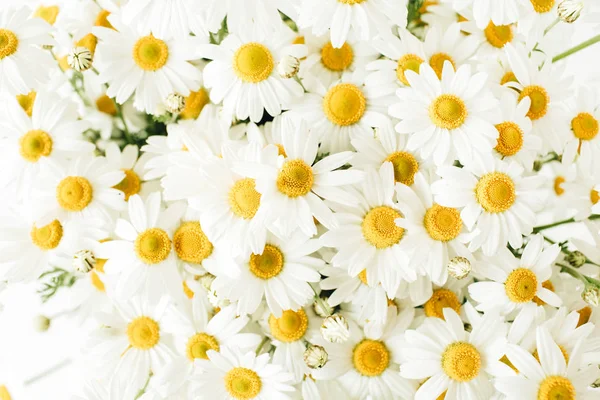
pixel 558 178
pixel 583 136
pixel 492 38
pixel 131 59
pixel 48 128
pixel 363 19
pixel 243 76
pixel 232 375
pixel 516 285
pixel 21 39
pixel 447 119
pixel 498 204
pixel 132 166
pixel 456 364
pixel 451 295
pixel 448 45
pixel 280 274
pixel 175 18
pixel 584 190
pixel 501 12
pixel 434 13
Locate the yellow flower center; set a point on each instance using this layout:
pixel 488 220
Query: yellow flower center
pixel 48 14
pixel 379 227
pixel 244 199
pixel 594 196
pixel 268 264
pixel 253 63
pixel 89 41
pixel 106 105
pixel 495 192
pixel 539 101
pixel 407 62
pixel 508 77
pixel 461 361
pixel 191 244
pixel 546 285
pixel 194 104
pixel 47 237
pixel 8 43
pixel 440 299
pixel 521 285
pixel 498 35
pixel 436 62
pixel 242 383
pixel 150 53
pixel 35 144
pixel 370 357
pixel 290 327
pixel 510 139
pixel 585 126
pixel 542 6
pixel 143 333
pixel 74 193
pixel 448 111
pixel 558 189
pixel 584 315
pixel 26 102
pixel 442 223
pixel 295 178
pixel 363 277
pixel 97 282
pixel 337 59
pixel 199 344
pixel 556 388
pixel 153 246
pixel 4 394
pixel 130 185
pixel 405 165
pixel 102 20
pixel 344 104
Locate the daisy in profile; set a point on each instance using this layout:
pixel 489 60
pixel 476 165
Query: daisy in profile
pixel 243 74
pixel 363 19
pixel 176 18
pixel 232 375
pixel 497 202
pixel 447 119
pixel 133 62
pixel 281 274
pixel 21 40
pixel 450 45
pixel 583 138
pixel 458 365
pixel 46 128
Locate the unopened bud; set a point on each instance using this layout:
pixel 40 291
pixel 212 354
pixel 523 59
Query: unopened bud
pixel 288 67
pixel 321 308
pixel 206 281
pixel 41 323
pixel 175 103
pixel 569 10
pixel 84 261
pixel 576 259
pixel 459 267
pixel 591 295
pixel 315 356
pixel 335 329
pixel 80 59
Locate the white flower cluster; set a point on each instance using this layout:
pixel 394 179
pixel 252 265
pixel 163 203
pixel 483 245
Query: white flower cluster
pixel 309 199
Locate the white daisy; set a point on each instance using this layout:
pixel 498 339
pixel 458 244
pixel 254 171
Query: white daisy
pixel 132 166
pixel 583 136
pixel 175 18
pixel 450 45
pixel 492 38
pixel 558 177
pixel 584 190
pixel 501 12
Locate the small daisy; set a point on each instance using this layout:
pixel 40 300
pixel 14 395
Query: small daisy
pixel 492 38
pixel 132 166
pixel 448 119
pixel 233 375
pixel 496 201
pixel 584 190
pixel 448 45
pixel 584 127
pixel 175 18
pixel 558 178
pixel 451 295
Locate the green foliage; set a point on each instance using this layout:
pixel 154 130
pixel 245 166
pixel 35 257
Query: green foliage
pixel 53 280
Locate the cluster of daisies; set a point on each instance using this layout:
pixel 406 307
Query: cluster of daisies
pixel 310 199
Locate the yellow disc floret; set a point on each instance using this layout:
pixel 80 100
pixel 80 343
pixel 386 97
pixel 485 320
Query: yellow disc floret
pixel 370 357
pixel 440 299
pixel 408 62
pixel 461 361
pixel 153 246
pixel 268 264
pixel 242 383
pixel 337 59
pixel 47 237
pixel 106 105
pixel 379 227
pixel 26 101
pixel 437 60
pixel 344 104
pixel 542 6
pixel 194 104
pixel 130 185
pixel 150 53
pixel 539 101
pixel 199 344
pixel 498 35
pixel 290 327
pixel 35 144
pixel 405 165
pixel 74 193
pixel 585 126
pixel 442 223
pixel 48 14
pixel 244 199
pixel 521 285
pixel 8 43
pixel 510 138
pixel 191 244
pixel 253 62
pixel 295 178
pixel 143 333
pixel 448 111
pixel 495 192
pixel 556 388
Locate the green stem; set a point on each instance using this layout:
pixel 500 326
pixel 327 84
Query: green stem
pixel 143 390
pixel 573 272
pixel 261 344
pixel 318 299
pixel 577 48
pixel 552 25
pixel 538 229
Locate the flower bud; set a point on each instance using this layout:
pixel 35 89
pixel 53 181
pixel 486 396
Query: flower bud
pixel 322 308
pixel 84 261
pixel 459 267
pixel 175 103
pixel 576 259
pixel 315 356
pixel 206 281
pixel 569 10
pixel 41 323
pixel 288 67
pixel 335 329
pixel 591 295
pixel 80 59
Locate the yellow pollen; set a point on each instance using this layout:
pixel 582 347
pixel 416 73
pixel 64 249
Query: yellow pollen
pixel 558 189
pixel 35 144
pixel 143 333
pixel 199 344
pixel 495 192
pixel 510 139
pixel 546 285
pixel 48 14
pixel 268 264
pixel 187 291
pixel 150 53
pixel 74 193
pixel 89 41
pixel 363 277
pixel 594 196
pixel 407 62
pixel 542 6
pixel 253 62
pixel 405 165
pixel 437 60
pixel 521 285
pixel 153 246
pixel 295 178
pixel 344 104
pixel 244 199
pixel 379 227
pixel 440 299
pixel 106 105
pixel 102 20
pixel 194 104
pixel 461 361
pixel 4 394
pixel 585 126
pixel 584 315
pixel 556 388
pixel 26 102
pixel 442 223
pixel 191 244
pixel 370 357
pixel 448 111
pixel 290 327
pixel 337 59
pixel 242 383
pixel 498 35
pixel 508 77
pixel 47 237
pixel 8 43
pixel 130 185
pixel 539 101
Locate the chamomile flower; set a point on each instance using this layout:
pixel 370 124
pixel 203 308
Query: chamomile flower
pixel 584 190
pixel 558 177
pixel 176 18
pixel 131 59
pixel 132 166
pixel 447 119
pixel 498 204
pixel 502 12
pixel 583 136
pixel 450 45
pixel 492 38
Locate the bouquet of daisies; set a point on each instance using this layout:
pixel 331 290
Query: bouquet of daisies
pixel 302 199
